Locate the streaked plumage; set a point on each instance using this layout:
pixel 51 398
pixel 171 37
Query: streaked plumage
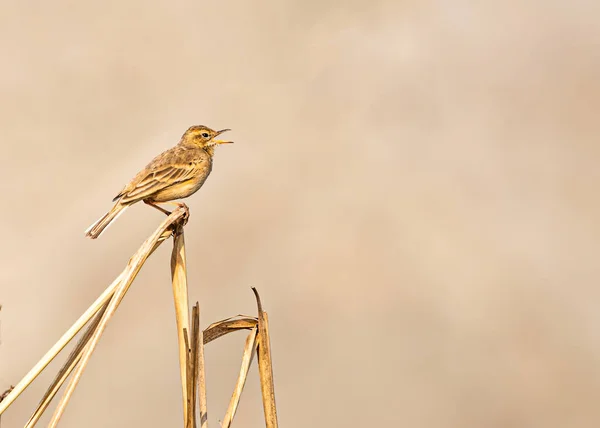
pixel 174 174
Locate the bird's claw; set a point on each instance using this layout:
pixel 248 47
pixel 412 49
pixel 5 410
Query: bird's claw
pixel 186 213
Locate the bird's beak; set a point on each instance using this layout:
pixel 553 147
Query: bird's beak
pixel 222 141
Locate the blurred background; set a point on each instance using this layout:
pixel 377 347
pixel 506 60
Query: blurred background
pixel 413 191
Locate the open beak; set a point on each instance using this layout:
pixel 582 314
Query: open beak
pixel 222 141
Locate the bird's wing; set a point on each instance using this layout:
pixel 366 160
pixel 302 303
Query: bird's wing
pixel 164 171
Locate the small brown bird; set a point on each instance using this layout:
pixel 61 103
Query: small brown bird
pixel 174 174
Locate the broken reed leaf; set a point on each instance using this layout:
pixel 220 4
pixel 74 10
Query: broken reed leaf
pixel 228 325
pixel 265 365
pixel 258 302
pixel 265 369
pixel 232 320
pixel 248 355
pixel 64 372
pixel 235 317
pixel 133 267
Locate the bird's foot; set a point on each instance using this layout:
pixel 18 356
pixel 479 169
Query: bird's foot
pixel 184 207
pixel 178 226
pixel 186 212
pixel 179 205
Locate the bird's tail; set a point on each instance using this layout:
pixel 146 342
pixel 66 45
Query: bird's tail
pixel 96 229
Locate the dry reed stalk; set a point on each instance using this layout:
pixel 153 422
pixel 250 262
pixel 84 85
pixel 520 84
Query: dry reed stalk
pixel 193 367
pixel 189 383
pixel 133 267
pixel 249 351
pixel 265 366
pixel 180 297
pixel 194 363
pixel 65 371
pixel 200 374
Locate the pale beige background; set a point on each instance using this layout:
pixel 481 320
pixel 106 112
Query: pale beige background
pixel 413 190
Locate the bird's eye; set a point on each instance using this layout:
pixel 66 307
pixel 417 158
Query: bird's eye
pixel 204 135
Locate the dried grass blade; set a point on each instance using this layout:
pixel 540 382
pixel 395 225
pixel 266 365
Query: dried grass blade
pixel 249 351
pixel 60 344
pixel 65 371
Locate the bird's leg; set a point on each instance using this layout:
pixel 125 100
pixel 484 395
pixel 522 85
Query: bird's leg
pixel 158 207
pixel 181 205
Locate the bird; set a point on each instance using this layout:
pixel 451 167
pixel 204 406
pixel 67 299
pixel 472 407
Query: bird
pixel 174 174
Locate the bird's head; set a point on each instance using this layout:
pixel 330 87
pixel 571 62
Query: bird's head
pixel 203 137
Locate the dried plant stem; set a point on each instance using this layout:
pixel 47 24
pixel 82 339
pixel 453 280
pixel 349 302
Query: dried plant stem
pixel 193 374
pixel 249 351
pixel 180 297
pixel 265 366
pixel 133 267
pixel 190 382
pixel 58 346
pixel 65 371
pixel 201 376
pixel 193 366
pixel 191 343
